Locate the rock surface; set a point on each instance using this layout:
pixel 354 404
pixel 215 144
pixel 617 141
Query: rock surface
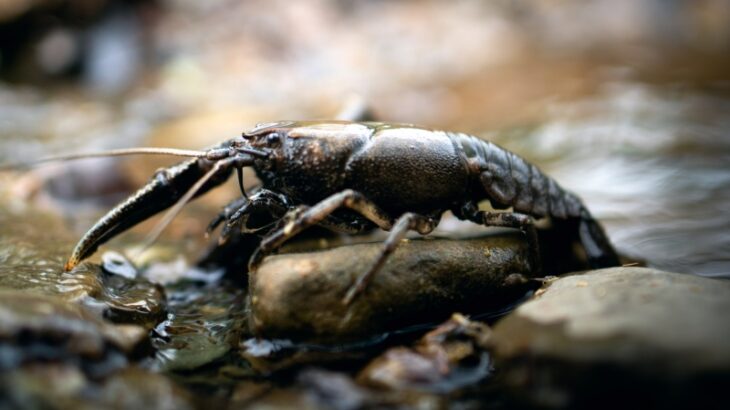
pixel 609 336
pixel 447 358
pixel 54 386
pixel 37 329
pixel 299 296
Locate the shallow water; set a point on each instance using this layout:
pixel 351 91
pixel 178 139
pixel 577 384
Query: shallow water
pixel 651 162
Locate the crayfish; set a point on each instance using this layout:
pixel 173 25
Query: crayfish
pixel 357 176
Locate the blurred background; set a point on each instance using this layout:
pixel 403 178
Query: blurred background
pixel 626 103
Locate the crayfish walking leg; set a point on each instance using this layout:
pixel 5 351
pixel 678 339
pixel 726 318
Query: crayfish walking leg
pixel 355 201
pixel 314 215
pixel 407 222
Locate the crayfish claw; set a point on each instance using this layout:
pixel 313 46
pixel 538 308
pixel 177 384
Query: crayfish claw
pixel 171 188
pixel 69 265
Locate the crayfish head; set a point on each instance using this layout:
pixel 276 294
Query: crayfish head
pixel 301 142
pixel 268 138
pixel 306 158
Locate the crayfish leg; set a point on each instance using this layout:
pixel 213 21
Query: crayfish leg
pixel 407 222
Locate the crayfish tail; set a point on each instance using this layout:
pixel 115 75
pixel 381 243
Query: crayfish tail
pixel 598 248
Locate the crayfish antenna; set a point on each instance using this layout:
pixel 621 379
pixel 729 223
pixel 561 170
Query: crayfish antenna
pixel 108 153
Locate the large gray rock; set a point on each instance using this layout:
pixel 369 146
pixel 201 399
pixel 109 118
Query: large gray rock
pixel 617 336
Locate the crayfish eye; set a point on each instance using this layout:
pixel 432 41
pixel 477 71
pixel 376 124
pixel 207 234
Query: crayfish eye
pixel 273 138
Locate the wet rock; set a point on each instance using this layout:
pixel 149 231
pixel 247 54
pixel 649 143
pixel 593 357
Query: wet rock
pixel 449 357
pixel 333 390
pixel 37 328
pixel 617 336
pixel 299 296
pixel 316 388
pixel 270 396
pixel 53 386
pixel 267 357
pixel 135 388
pixel 115 263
